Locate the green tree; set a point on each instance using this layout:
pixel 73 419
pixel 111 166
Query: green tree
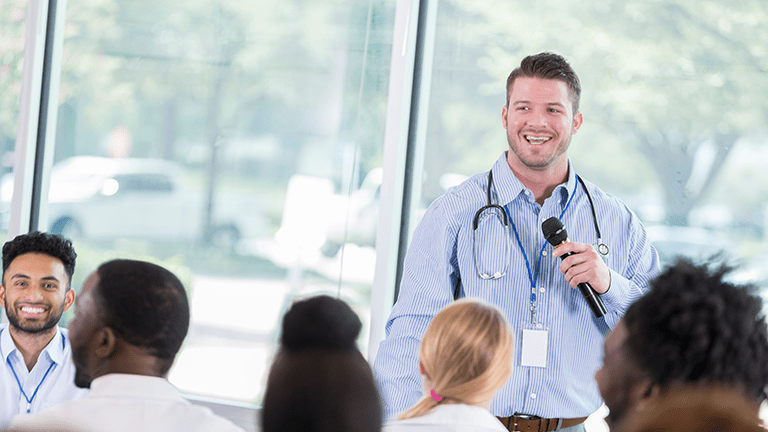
pixel 675 82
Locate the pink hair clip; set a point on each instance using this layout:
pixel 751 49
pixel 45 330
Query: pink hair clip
pixel 435 396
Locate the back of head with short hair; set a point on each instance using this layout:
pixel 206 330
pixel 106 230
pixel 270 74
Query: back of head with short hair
pixel 54 245
pixel 319 381
pixel 467 355
pixel 694 327
pixel 320 322
pixel 548 65
pixel 146 305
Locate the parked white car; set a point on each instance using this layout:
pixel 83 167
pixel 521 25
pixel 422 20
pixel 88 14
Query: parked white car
pixel 354 218
pixel 103 198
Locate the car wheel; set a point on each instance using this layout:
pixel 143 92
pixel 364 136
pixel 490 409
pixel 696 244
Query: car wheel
pixel 67 227
pixel 329 249
pixel 226 238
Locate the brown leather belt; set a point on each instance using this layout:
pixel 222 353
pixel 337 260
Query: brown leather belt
pixel 529 423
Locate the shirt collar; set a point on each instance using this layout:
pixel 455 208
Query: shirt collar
pixel 507 187
pixel 6 342
pixel 54 349
pixel 134 386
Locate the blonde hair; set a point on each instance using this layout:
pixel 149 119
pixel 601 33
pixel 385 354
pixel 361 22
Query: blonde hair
pixel 466 353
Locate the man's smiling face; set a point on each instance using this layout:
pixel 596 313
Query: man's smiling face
pixel 540 122
pixel 35 292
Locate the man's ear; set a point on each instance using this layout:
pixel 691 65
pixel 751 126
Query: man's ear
pixel 644 392
pixel 421 368
pixel 504 113
pixel 106 343
pixel 69 299
pixel 578 119
pixel 2 295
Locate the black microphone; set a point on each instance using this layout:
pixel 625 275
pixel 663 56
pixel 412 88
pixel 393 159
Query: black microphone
pixel 555 233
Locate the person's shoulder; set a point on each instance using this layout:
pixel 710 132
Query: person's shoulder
pixel 204 419
pixel 62 417
pixel 466 194
pixel 450 418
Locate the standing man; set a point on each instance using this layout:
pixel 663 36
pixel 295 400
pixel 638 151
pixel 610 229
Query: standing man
pixel 459 248
pixel 37 370
pixel 131 318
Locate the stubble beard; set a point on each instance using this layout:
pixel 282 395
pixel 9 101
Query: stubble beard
pixel 534 162
pixel 34 328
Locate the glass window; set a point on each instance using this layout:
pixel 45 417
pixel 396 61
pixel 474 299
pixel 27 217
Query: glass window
pixel 238 144
pixel 672 97
pixel 13 19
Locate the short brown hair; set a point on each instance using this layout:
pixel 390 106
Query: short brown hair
pixel 548 65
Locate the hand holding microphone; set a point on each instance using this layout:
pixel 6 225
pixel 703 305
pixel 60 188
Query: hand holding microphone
pixel 555 233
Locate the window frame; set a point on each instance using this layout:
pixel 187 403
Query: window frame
pixel 409 84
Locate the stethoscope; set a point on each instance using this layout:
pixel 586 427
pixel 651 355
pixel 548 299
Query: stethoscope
pixel 601 247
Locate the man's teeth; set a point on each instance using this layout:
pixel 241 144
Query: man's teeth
pixel 536 140
pixel 29 309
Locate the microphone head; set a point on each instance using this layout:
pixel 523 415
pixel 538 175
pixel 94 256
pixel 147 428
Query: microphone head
pixel 554 231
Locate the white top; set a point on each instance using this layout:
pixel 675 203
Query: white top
pixel 449 418
pixel 55 387
pixel 128 403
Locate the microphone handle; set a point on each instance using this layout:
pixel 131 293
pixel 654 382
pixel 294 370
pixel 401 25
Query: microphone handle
pixel 593 299
pixel 590 295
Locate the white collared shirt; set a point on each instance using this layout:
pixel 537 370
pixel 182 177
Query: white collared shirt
pixel 449 418
pixel 128 403
pixel 52 377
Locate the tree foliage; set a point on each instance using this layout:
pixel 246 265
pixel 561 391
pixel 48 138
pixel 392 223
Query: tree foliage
pixel 675 82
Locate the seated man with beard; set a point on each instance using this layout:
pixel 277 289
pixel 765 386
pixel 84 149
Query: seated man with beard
pixel 37 370
pixel 131 318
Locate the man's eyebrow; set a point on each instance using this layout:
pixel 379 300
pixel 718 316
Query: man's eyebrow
pixel 527 102
pixel 23 276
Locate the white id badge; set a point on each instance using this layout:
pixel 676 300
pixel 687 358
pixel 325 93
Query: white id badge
pixel 535 345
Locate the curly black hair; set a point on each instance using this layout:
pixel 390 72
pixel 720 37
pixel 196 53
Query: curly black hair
pixel 54 245
pixel 694 326
pixel 145 304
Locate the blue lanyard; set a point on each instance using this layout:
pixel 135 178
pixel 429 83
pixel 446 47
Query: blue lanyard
pixel 534 276
pixel 21 388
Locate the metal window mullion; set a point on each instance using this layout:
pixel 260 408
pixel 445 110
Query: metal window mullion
pixel 38 108
pixel 407 104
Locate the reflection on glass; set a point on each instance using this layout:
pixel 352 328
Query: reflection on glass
pixel 12 37
pixel 228 141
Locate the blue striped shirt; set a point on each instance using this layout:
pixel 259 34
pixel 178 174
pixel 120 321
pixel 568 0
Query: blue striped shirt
pixel 442 251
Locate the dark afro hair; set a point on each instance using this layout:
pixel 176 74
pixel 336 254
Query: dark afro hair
pixel 320 322
pixel 145 304
pixel 54 245
pixel 692 326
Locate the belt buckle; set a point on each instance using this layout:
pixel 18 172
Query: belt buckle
pixel 525 417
